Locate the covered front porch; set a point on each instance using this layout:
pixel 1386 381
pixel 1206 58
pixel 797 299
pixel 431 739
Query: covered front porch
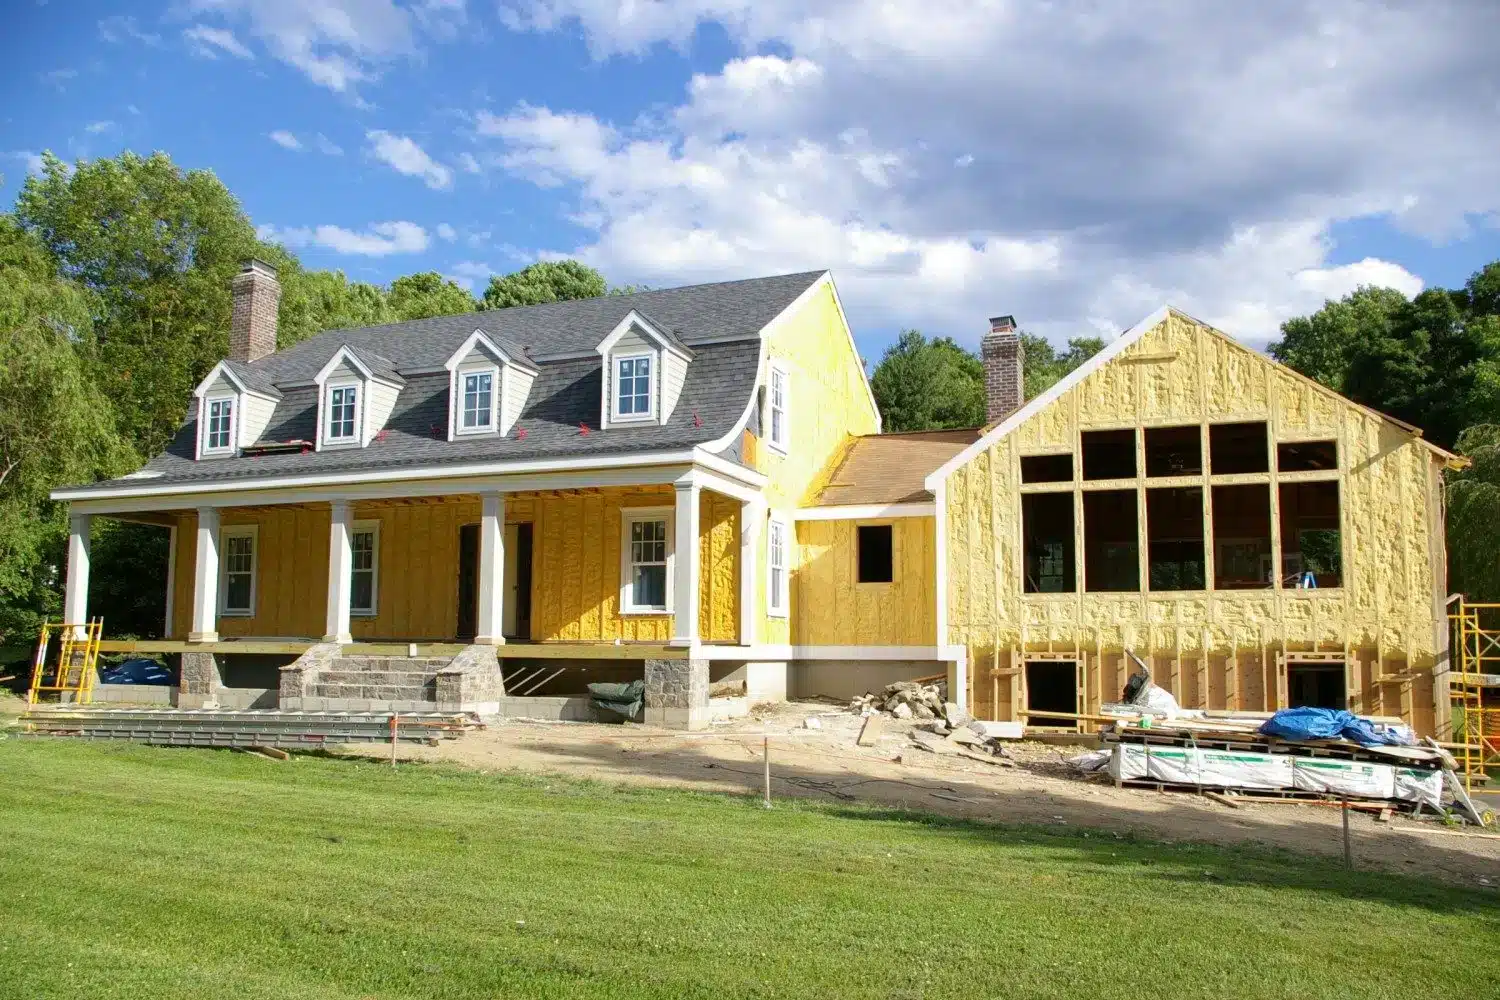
pixel 365 598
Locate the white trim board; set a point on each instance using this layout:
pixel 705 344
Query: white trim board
pixel 864 512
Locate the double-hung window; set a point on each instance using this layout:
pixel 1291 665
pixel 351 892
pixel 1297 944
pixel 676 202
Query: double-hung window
pixel 238 570
pixel 479 402
pixel 220 435
pixel 364 573
pixel 633 387
pixel 343 406
pixel 777 400
pixel 647 562
pixel 777 543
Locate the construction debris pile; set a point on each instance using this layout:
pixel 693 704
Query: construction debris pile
pixel 905 700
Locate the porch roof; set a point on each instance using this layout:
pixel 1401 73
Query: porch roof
pixel 889 468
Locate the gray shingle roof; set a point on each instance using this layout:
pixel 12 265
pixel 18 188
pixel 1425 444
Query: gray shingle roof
pixel 256 380
pixel 719 322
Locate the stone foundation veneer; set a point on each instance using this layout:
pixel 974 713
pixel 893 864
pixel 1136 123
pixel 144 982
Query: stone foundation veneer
pixel 199 681
pixel 677 694
pixel 472 682
pixel 299 677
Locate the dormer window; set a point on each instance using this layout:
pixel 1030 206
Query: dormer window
pixel 235 402
pixel 633 388
pixel 343 405
pixel 220 437
pixel 357 391
pixel 645 367
pixel 479 402
pixel 490 378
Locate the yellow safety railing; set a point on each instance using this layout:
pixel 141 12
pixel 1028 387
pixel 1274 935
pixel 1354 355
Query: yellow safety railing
pixel 1474 687
pixel 77 660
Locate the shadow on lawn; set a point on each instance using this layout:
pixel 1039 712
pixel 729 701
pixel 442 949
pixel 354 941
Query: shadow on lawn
pixel 1102 834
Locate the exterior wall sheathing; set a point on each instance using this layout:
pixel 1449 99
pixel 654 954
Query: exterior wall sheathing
pixel 1214 649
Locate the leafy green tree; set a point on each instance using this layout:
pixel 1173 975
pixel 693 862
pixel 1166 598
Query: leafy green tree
pixel 544 281
pixel 418 296
pixel 1473 513
pixel 1323 345
pixel 157 246
pixel 56 425
pixel 923 384
pixel 313 301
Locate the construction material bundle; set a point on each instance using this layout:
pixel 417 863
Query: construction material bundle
pixel 212 728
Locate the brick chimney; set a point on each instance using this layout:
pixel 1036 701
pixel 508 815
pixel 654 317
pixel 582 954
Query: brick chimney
pixel 1003 359
pixel 252 328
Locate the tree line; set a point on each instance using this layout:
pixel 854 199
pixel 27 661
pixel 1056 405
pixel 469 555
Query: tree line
pixel 114 303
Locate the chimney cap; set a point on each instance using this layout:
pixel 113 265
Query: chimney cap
pixel 1002 324
pixel 257 266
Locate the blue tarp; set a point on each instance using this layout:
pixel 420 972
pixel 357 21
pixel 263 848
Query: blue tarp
pixel 1326 724
pixel 136 672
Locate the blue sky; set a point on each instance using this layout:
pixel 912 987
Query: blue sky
pixel 948 160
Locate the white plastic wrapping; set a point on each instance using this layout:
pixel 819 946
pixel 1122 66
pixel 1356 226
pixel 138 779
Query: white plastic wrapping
pixel 1274 772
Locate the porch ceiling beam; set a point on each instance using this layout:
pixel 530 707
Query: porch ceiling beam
pixel 657 475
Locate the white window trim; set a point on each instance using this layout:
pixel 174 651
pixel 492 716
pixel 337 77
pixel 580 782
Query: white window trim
pixel 353 441
pixel 203 423
pixel 371 527
pixel 252 532
pixel 774 610
pixel 459 375
pixel 653 390
pixel 629 516
pixel 782 446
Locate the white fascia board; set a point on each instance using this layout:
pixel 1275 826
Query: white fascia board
pixel 480 339
pixel 777 652
pixel 247 493
pixel 1046 399
pixel 634 318
pixel 223 369
pixel 864 512
pixel 864 376
pixel 732 470
pixel 727 487
pixel 344 353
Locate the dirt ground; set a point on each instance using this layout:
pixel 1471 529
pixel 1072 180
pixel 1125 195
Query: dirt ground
pixel 827 764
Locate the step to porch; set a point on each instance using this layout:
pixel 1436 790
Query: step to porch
pixel 395 679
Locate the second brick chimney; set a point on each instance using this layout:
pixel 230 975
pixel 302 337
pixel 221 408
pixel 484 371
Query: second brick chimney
pixel 1003 358
pixel 252 327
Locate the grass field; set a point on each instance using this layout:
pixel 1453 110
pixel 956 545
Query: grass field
pixel 137 872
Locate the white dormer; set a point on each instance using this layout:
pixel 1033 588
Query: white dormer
pixel 644 368
pixel 487 388
pixel 354 399
pixel 232 412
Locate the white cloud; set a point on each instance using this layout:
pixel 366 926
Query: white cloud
pixel 94 128
pixel 58 77
pixel 380 239
pixel 470 274
pixel 32 161
pixel 404 156
pixel 468 164
pixel 337 44
pixel 446 233
pixel 1107 168
pixel 209 42
pixel 327 146
pixel 285 140
pixel 119 28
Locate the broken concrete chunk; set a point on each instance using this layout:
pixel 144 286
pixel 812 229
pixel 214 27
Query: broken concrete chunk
pixel 902 711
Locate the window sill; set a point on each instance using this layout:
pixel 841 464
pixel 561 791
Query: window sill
pixel 776 449
pixel 364 614
pixel 646 612
pixel 474 432
pixel 873 583
pixel 634 418
pixel 226 613
pixel 781 615
pixel 340 443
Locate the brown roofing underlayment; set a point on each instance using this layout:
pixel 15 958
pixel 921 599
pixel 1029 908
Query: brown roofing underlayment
pixel 889 468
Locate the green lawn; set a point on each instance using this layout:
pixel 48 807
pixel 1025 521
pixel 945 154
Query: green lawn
pixel 129 871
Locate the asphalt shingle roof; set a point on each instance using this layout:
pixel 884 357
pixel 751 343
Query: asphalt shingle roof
pixel 719 322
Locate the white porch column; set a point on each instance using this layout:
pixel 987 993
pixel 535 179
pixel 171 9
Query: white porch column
pixel 685 560
pixel 752 515
pixel 206 579
pixel 340 573
pixel 489 620
pixel 76 596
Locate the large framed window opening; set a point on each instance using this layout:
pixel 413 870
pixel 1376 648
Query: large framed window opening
pixel 1214 506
